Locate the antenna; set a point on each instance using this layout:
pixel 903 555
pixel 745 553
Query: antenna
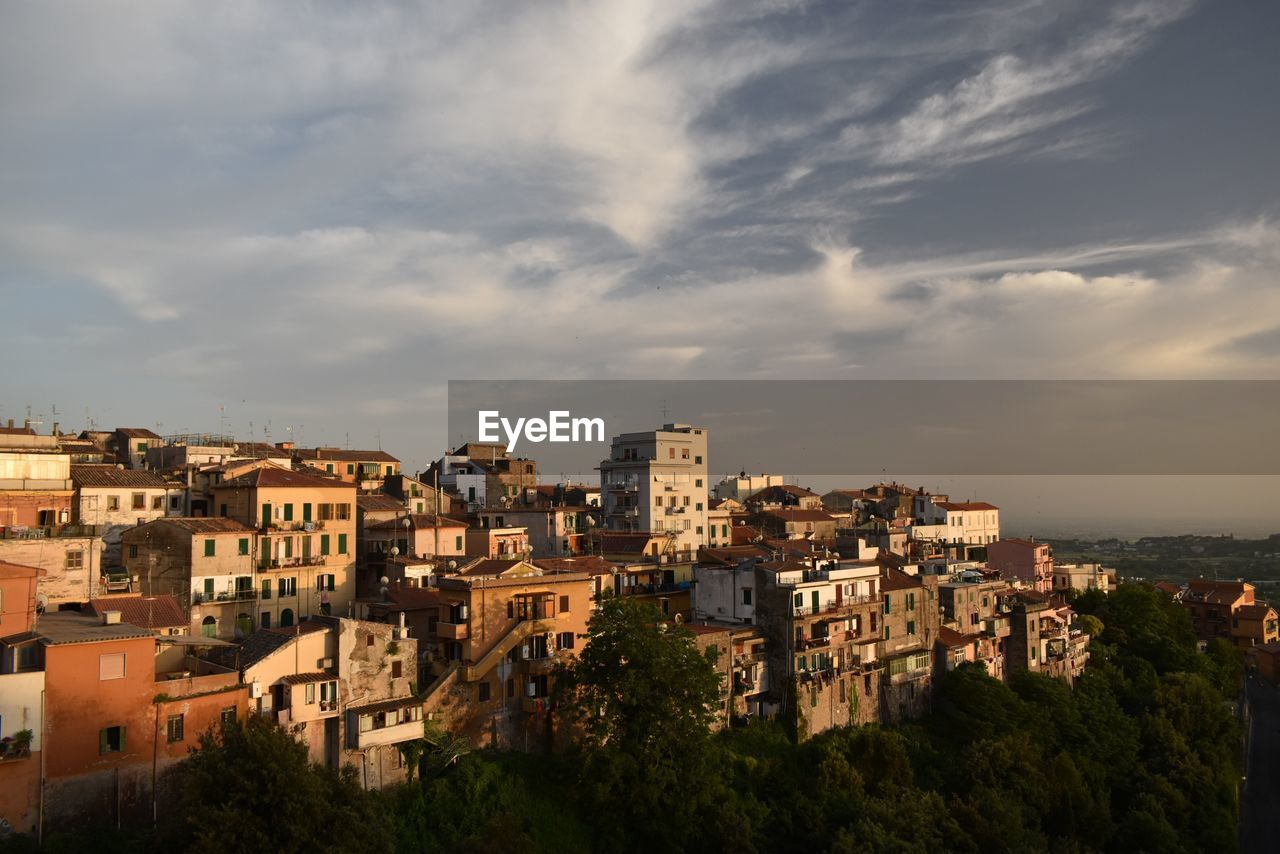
pixel 664 410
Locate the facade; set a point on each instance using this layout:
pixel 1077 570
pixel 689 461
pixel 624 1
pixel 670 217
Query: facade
pixel 508 543
pixel 969 523
pixel 558 531
pixel 366 469
pixel 69 558
pixel 484 474
pixel 114 499
pixel 305 543
pixel 423 536
pixel 130 445
pixel 656 482
pixel 1082 576
pixel 1230 610
pixel 498 631
pixel 795 524
pixel 738 488
pixel 209 565
pixel 1023 561
pixel 910 623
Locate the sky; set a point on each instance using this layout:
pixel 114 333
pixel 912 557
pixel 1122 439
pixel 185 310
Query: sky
pixel 308 217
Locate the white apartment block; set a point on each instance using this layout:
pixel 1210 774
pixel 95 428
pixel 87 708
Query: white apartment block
pixel 656 482
pixel 973 523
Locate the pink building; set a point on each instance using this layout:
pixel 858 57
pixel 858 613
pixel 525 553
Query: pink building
pixel 1025 561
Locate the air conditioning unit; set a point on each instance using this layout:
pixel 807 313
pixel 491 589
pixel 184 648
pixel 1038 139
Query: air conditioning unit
pixel 464 612
pixel 255 690
pixel 326 664
pixel 531 689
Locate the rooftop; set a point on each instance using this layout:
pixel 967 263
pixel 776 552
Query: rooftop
pixel 343 455
pixel 150 612
pixel 67 627
pixel 273 476
pixel 111 476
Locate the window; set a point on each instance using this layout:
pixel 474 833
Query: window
pixel 266 619
pixel 457 543
pixel 483 692
pixel 886 603
pixel 287 587
pixel 342 544
pixel 243 547
pixel 564 640
pixel 288 512
pixel 174 728
pixel 310 693
pixel 111 740
pixel 746 596
pixel 351 468
pixel 324 544
pixel 209 548
pixel 157 502
pixel 886 631
pixel 911 601
pixel 75 559
pixel 306 512
pixel 325 581
pixel 139 500
pixel 564 604
pixel 133 550
pixel 113 502
pixel 911 627
pixel 698 483
pixel 328 467
pixel 111 665
pixel 397 669
pixel 227 715
pixel 697 461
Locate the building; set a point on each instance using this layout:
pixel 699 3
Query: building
pixel 305 543
pixel 69 558
pixel 484 474
pixel 114 499
pixel 796 524
pixel 655 482
pixel 821 620
pixel 1083 576
pixel 210 566
pixel 783 496
pixel 507 542
pixel 417 535
pixel 498 630
pixel 1023 561
pixel 738 488
pixel 120 708
pixel 967 523
pixel 130 445
pixel 910 623
pixel 742 663
pixel 1230 610
pixel 368 470
pixel 553 531
pixel 161 615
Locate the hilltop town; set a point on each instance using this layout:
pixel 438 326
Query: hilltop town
pixel 157 587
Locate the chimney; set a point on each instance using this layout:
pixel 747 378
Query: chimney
pixel 10 423
pixel 110 618
pixel 26 424
pixel 55 429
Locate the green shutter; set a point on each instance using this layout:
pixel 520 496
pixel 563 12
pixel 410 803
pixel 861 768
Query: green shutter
pixel 342 544
pixel 124 730
pixel 288 512
pixel 329 468
pixel 244 545
pixel 351 469
pixel 457 543
pixel 266 515
pixel 324 544
pixel 102 741
pixel 306 512
pixel 208 548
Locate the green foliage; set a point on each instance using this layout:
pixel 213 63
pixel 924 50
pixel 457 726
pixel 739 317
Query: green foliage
pixel 251 787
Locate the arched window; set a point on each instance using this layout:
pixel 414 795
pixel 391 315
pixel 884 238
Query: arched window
pixel 286 617
pixel 209 627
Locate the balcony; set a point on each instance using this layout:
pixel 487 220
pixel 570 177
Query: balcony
pixel 293 562
pixel 243 594
pixel 42 532
pixel 452 631
pixel 833 607
pixel 387 722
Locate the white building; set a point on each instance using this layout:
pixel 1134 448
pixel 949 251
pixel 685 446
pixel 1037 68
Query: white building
pixel 738 488
pixel 974 523
pixel 656 482
pixel 116 499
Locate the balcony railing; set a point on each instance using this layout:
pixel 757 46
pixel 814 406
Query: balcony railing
pixel 241 595
pixel 452 631
pixel 41 532
pixel 291 562
pixel 832 606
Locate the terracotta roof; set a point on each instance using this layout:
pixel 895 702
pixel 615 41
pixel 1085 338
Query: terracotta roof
pixel 411 598
pixel 489 566
pixel 110 476
pixel 17 431
pixel 137 433
pixel 272 476
pixel 343 455
pixel 966 505
pixel 150 612
pixel 304 678
pixel 59 627
pixel 795 514
pixel 18 570
pixel 949 637
pixel 591 564
pixel 1168 587
pixel 1258 611
pixel 202 525
pixel 779 492
pixel 628 543
pixel 732 555
pixel 896 579
pixel 419 521
pixel 378 503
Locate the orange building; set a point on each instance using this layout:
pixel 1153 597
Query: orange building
pixel 497 631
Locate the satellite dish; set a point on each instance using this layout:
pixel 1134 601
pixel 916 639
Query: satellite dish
pixel 679 618
pixel 42 602
pixel 453 564
pixel 385 581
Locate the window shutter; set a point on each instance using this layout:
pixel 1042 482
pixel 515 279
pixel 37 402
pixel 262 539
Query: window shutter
pixel 102 741
pixel 123 731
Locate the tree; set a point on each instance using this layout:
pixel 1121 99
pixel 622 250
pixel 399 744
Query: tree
pixel 643 699
pixel 250 787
